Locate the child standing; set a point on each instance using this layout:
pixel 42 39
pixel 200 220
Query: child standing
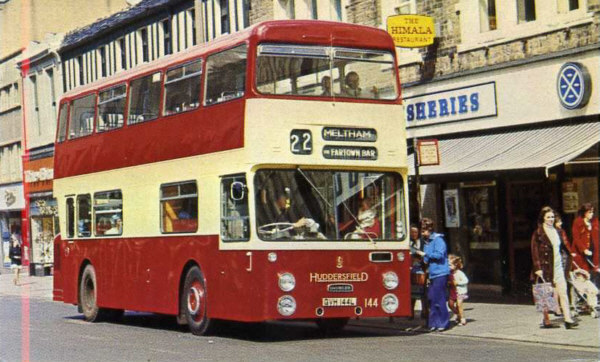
pixel 459 284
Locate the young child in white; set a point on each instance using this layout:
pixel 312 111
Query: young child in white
pixel 461 282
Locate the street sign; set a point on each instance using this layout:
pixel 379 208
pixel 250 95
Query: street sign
pixel 429 153
pixel 411 31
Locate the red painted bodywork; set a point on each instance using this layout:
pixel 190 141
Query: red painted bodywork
pixel 145 274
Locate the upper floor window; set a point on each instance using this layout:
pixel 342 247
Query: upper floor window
pixel 226 75
pixel 111 108
pixel 81 122
pixel 225 22
pixel 564 6
pixel 179 207
pixel 487 15
pixel 145 46
pixel 182 87
pixel 525 11
pixel 406 7
pixel 167 45
pixel 144 98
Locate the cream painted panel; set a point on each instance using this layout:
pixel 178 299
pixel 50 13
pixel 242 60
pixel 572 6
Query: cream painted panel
pixel 269 122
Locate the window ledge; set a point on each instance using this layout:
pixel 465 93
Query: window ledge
pixel 10 109
pixel 517 32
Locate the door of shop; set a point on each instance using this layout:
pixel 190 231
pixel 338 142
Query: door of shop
pixel 525 200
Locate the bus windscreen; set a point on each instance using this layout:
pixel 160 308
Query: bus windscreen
pixel 329 205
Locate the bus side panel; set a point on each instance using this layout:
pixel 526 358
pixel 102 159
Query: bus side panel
pixel 216 128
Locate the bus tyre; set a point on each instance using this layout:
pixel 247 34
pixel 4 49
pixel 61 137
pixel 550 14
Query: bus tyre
pixel 88 295
pixel 332 325
pixel 193 302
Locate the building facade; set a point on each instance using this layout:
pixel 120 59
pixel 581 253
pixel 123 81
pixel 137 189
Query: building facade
pixel 510 91
pixel 25 24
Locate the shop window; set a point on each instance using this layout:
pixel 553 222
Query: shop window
pixel 525 11
pixel 43 226
pixel 108 213
pixel 84 216
pixel 70 218
pixel 226 75
pixel 182 87
pixel 487 15
pixel 144 98
pixel 62 122
pixel 235 225
pixel 111 108
pixel 179 207
pixel 81 122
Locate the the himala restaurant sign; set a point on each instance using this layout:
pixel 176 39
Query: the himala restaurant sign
pixel 411 31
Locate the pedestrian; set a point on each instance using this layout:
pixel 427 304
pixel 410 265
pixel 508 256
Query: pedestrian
pixel 418 274
pixel 585 238
pixel 546 248
pixel 15 253
pixel 435 255
pixel 458 288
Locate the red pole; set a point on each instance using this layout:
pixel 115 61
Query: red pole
pixel 25 211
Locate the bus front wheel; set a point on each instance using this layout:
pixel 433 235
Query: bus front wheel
pixel 193 302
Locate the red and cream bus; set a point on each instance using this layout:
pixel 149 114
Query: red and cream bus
pixel 261 176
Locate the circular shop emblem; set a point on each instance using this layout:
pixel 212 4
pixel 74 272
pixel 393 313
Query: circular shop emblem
pixel 573 85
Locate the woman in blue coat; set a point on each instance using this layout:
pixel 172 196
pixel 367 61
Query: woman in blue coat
pixel 435 255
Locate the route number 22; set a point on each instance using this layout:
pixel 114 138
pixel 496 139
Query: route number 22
pixel 301 142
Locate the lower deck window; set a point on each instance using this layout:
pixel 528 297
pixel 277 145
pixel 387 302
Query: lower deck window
pixel 235 225
pixel 179 207
pixel 108 213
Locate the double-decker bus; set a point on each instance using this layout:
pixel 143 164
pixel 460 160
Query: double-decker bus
pixel 261 176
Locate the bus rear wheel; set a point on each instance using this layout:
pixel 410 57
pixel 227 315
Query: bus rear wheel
pixel 193 302
pixel 88 295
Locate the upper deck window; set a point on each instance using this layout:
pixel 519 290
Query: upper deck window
pixel 226 75
pixel 182 87
pixel 144 98
pixel 325 72
pixel 62 122
pixel 81 122
pixel 111 108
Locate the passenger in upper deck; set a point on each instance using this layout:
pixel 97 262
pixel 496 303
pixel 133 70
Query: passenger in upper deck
pixel 326 84
pixel 352 87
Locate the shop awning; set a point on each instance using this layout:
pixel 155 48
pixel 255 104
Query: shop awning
pixel 521 149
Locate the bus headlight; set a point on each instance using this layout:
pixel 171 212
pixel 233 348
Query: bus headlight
pixel 286 305
pixel 390 280
pixel 389 303
pixel 287 282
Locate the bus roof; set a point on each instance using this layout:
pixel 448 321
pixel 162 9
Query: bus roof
pixel 275 31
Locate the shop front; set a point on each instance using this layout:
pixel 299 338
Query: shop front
pixel 11 209
pixel 511 140
pixel 43 214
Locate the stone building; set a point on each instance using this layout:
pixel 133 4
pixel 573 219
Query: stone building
pixel 509 90
pixel 24 23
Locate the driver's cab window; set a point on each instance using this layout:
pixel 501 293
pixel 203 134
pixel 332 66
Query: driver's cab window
pixel 235 224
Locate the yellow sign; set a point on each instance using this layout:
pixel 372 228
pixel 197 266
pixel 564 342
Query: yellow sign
pixel 411 31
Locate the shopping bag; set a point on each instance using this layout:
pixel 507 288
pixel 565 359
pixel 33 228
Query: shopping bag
pixel 544 298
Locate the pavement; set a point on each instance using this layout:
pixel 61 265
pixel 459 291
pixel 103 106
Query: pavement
pixel 498 321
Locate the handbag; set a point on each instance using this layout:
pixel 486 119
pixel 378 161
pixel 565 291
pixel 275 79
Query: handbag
pixel 544 297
